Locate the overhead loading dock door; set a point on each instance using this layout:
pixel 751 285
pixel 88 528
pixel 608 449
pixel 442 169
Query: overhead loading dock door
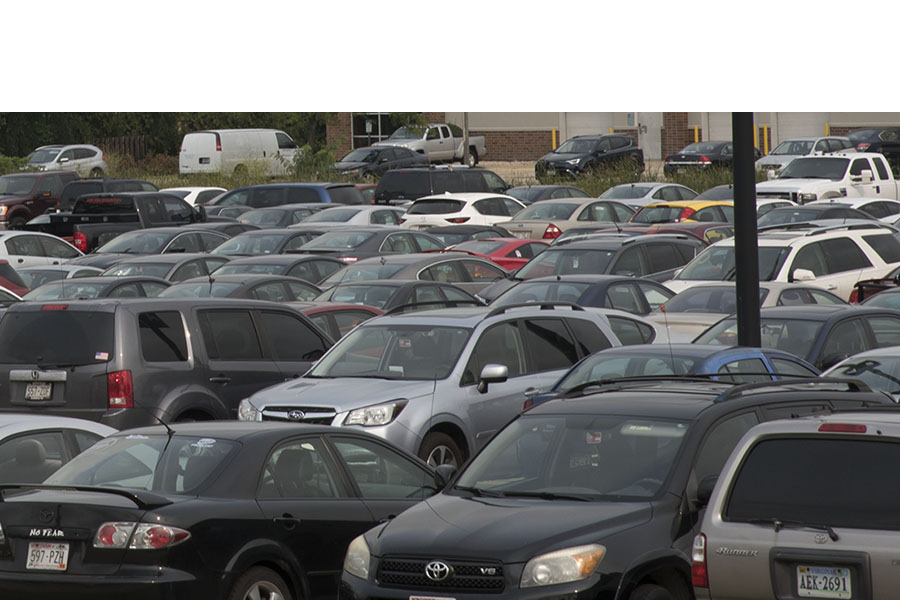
pixel 587 123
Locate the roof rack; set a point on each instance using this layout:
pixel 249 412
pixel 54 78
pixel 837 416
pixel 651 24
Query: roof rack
pixel 816 228
pixel 411 306
pixel 499 310
pixel 656 236
pixel 580 237
pixel 852 385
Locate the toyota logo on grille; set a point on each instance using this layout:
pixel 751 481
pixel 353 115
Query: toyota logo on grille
pixel 296 415
pixel 437 570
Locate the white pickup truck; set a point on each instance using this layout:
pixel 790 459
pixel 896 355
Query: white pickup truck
pixel 823 176
pixel 439 141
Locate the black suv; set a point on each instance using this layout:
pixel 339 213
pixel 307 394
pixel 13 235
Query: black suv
pixel 585 153
pixel 406 185
pixel 595 496
pixel 128 363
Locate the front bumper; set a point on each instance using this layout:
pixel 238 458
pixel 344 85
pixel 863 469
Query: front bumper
pixel 145 583
pixel 546 169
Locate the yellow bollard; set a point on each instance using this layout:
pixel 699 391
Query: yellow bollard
pixel 755 136
pixel 554 139
pixel 611 130
pixel 765 139
pixel 696 134
pixel 827 128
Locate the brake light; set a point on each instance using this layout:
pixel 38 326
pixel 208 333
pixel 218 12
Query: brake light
pixel 863 146
pixel 348 259
pixel 699 574
pixel 552 232
pixel 55 307
pixel 119 389
pixel 704 160
pixel 113 535
pixel 457 220
pixel 685 214
pixel 218 145
pixel 854 296
pixel 79 240
pixel 842 428
pixel 138 536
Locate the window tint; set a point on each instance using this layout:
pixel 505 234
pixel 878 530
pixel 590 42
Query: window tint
pixel 298 470
pixel 842 254
pixel 304 271
pixel 479 271
pixel 284 141
pixel 662 257
pixel 291 338
pixel 426 243
pixel 85 440
pixel 811 257
pixel 499 344
pixel 783 366
pixel 230 335
pixel 50 444
pixel 859 165
pixel 345 195
pixel 453 293
pixel 550 344
pixel 588 336
pixel 49 184
pixel 655 295
pixel 624 296
pixel 273 292
pixel 719 442
pixel 326 268
pixel 186 242
pixel 887 246
pixel 845 339
pixel 823 297
pixel 57 248
pixel 881 167
pixel 427 293
pixel 494 183
pixel 162 336
pixel 301 195
pixel 382 473
pixel 152 289
pixel 25 245
pixel 443 272
pixel 886 330
pixel 631 262
pixel 733 371
pixel 630 331
pixel 211 241
pixel 177 210
pixel 348 319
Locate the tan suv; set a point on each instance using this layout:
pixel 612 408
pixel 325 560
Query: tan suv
pixel 805 508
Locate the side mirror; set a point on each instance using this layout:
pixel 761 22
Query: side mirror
pixel 866 176
pixel 382 160
pixel 802 275
pixel 601 151
pixel 443 475
pixel 492 374
pixel 200 211
pixel 63 160
pixel 705 490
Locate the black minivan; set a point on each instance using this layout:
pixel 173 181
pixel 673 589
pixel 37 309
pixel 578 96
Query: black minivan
pixel 406 185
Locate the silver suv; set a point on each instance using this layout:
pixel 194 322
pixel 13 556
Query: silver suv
pixel 805 508
pixel 88 160
pixel 438 383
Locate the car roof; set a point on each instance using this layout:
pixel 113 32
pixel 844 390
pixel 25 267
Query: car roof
pixel 413 258
pixel 138 304
pixel 235 430
pixel 465 196
pixel 581 279
pixel 385 282
pixel 12 423
pixel 244 278
pixel 820 312
pixel 107 280
pixel 280 259
pixel 171 258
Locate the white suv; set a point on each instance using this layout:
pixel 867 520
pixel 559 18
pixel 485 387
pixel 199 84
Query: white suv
pixel 831 256
pixel 471 208
pixel 86 159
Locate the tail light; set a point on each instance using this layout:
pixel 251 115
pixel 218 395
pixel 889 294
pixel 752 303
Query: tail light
pixel 457 220
pixel 348 259
pixel 138 536
pixel 685 214
pixel 55 307
pixel 854 296
pixel 704 160
pixel 699 574
pixel 119 389
pixel 552 232
pixel 842 428
pixel 863 146
pixel 218 145
pixel 102 156
pixel 79 240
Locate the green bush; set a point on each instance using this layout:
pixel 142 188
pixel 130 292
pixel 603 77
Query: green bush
pixel 12 164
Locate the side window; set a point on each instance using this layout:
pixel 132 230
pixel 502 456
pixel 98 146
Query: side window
pixel 443 272
pixel 68 154
pixel 719 442
pixel 810 257
pixel 823 297
pixel 654 295
pixel 230 335
pixel 211 241
pixel 670 193
pixel 549 344
pixel 631 262
pixel 186 242
pixel 735 371
pixel 382 473
pixel 191 269
pixel 304 271
pixel 494 183
pixel 326 268
pixel 162 336
pixel 300 195
pixel 298 470
pixel 662 257
pixel 600 211
pixel 588 336
pixel 511 207
pixel 479 271
pixel 57 248
pixel 273 292
pixel 791 297
pixel 499 344
pixel 152 289
pixel 207 195
pixel 859 165
pixel 631 332
pixel 85 440
pixel 348 319
pixel 846 339
pixel 686 194
pixel 427 293
pixel 453 293
pixel 129 290
pixel 32 457
pixel 49 184
pixel 426 243
pixel 822 146
pixel 709 214
pixel 295 242
pixel 177 210
pixel 604 144
pixel 881 167
pixel 624 296
pixel 291 338
pixel 433 134
pixel 25 245
pixel 887 246
pixel 284 141
pixel 728 150
pixel 842 254
pixel 783 366
pixel 240 198
pixel 886 331
pixel 623 213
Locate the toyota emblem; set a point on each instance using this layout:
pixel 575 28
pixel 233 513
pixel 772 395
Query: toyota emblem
pixel 296 415
pixel 437 570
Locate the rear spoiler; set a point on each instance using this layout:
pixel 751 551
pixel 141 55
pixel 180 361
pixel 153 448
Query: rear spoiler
pixel 145 500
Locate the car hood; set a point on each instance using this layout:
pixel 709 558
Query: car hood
pixel 340 393
pixel 346 166
pixel 10 197
pixel 555 157
pixel 789 185
pixel 509 529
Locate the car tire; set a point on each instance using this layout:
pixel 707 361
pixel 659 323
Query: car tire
pixel 260 583
pixel 17 223
pixel 651 592
pixel 473 158
pixel 440 449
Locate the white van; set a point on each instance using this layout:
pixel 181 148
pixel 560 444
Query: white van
pixel 227 150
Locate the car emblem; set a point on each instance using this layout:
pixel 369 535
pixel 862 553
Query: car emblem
pixel 35 374
pixel 437 570
pixel 821 538
pixel 296 415
pixel 47 515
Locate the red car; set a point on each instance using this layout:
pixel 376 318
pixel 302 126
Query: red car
pixel 509 253
pixel 336 318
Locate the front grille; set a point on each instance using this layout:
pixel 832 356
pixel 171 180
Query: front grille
pixel 777 195
pixel 310 414
pixel 465 575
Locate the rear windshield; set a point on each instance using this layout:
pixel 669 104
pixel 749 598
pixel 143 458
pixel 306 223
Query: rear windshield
pixel 567 262
pixel 627 192
pixel 543 291
pixel 796 336
pixel 545 210
pixel 56 337
pixel 337 240
pixel 657 214
pixel 137 242
pixel 256 268
pixel 146 269
pixel 816 168
pixel 251 245
pixel 828 481
pixel 201 289
pixel 702 299
pixel 481 247
pixel 435 207
pixel 67 288
pixel 100 205
pixel 332 215
pixel 370 295
pixel 364 272
pixel 73 190
pixel 345 194
pixel 263 217
pixel 395 184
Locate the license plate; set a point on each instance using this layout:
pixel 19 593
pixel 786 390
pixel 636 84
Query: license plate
pixel 38 390
pixel 48 557
pixel 520 234
pixel 823 582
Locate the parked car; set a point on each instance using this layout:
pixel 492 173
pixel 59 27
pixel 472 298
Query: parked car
pixel 227 226
pixel 171 267
pixel 26 195
pixel 80 187
pixel 889 298
pixel 866 288
pixel 630 294
pixel 439 142
pixel 308 267
pixel 31 249
pixel 276 194
pixel 372 162
pixel 350 244
pixel 33 447
pixel 782 155
pixel 156 240
pixel 878 368
pixel 89 288
pixel 719 192
pixel 368 192
pixel 270 509
pixel 85 159
pixel 405 185
pixel 637 195
pixel 33 277
pixel 877 208
pixel 266 241
pixel 472 208
pixel 550 218
pixel 810 212
pixel 279 217
pixel 873 139
pixel 507 252
pixel 335 318
pixel 529 194
pixel 388 294
pixel 139 361
pixel 820 334
pixel 275 288
pixel 705 231
pixel 228 150
pixel 585 153
pixel 702 155
pixel 438 383
pixel 357 215
pixel 685 210
pixel 228 212
pixel 195 194
pixel 451 235
pixel 591 497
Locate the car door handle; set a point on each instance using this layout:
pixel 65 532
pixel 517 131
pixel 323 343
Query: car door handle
pixel 21 260
pixel 529 392
pixel 831 286
pixel 287 520
pixel 220 379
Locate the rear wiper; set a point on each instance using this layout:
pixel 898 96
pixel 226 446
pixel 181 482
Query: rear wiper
pixel 548 496
pixel 779 524
pixel 476 491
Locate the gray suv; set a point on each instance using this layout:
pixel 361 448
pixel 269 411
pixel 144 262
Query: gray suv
pixel 805 508
pixel 128 363
pixel 437 383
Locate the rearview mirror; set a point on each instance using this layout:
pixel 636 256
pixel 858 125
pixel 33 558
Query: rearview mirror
pixel 802 275
pixel 492 374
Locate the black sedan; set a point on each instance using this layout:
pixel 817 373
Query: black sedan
pixel 810 212
pixel 527 194
pixel 875 139
pixel 171 267
pixel 702 155
pixel 308 267
pixel 351 244
pixel 157 240
pixel 85 288
pixel 205 510
pixel 268 241
pixel 391 293
pixel 277 217
pixel 451 235
pixel 274 288
pixel 372 162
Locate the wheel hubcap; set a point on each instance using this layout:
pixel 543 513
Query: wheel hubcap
pixel 263 590
pixel 441 455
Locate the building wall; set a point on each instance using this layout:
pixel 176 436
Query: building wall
pixel 516 145
pixel 337 133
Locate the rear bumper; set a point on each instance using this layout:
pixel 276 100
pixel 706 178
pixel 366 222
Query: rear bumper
pixel 148 583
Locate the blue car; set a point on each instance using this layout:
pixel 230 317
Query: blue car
pixel 734 363
pixel 277 194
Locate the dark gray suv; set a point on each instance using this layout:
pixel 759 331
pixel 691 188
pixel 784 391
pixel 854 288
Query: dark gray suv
pixel 128 363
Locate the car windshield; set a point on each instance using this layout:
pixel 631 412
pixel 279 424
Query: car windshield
pixel 43 156
pixel 338 240
pixel 543 211
pixel 370 295
pixel 796 336
pixel 332 215
pixel 395 352
pixel 262 217
pixel 627 192
pixel 658 214
pixel 480 246
pixel 542 291
pixel 16 185
pixel 363 272
pixel 794 147
pixel 718 299
pixel 567 262
pixel 45 337
pixel 716 263
pixel 147 462
pixel 67 288
pixel 816 168
pixel 701 148
pixel 138 242
pixel 361 155
pixel 577 147
pixel 255 268
pixel 578 457
pixel 603 366
pixel 251 245
pixel 880 373
pixel 146 269
pixel 407 133
pixel 200 289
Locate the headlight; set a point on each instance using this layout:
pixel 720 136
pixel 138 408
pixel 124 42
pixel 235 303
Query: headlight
pixel 562 566
pixel 248 412
pixel 3 209
pixel 807 198
pixel 356 562
pixel 372 416
pixel 573 161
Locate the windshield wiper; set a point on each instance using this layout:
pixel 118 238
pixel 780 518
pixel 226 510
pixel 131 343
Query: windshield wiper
pixel 779 524
pixel 583 386
pixel 372 375
pixel 476 491
pixel 548 496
